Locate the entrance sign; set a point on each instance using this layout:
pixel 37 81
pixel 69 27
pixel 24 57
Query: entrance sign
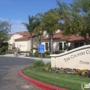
pixel 41 48
pixel 78 58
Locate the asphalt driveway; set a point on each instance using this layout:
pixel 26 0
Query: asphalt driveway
pixel 9 78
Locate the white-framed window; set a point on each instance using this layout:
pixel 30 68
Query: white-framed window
pixel 60 46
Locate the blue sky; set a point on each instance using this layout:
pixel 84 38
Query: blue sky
pixel 18 10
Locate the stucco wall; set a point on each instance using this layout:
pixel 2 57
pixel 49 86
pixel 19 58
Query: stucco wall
pixel 76 58
pixel 35 42
pixel 13 37
pixel 23 45
pixel 55 44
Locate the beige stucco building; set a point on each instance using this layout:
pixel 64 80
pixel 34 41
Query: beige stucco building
pixel 63 43
pixel 22 41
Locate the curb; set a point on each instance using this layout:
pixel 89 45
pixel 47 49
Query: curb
pixel 38 83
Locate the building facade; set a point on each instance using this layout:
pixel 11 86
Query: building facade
pixel 22 41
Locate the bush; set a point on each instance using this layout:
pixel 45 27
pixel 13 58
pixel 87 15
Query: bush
pixel 57 52
pixel 2 53
pixel 4 47
pixel 47 53
pixel 30 54
pixel 14 47
pixel 44 55
pixel 37 54
pixel 38 63
pixel 48 64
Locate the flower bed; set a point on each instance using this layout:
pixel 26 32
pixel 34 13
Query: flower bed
pixel 84 73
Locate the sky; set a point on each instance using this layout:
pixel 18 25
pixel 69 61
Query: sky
pixel 17 11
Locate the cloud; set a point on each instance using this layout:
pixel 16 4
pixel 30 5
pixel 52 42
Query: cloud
pixel 15 25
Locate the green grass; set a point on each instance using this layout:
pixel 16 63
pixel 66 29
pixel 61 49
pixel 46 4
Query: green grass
pixel 68 81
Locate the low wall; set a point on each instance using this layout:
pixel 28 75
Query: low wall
pixel 77 58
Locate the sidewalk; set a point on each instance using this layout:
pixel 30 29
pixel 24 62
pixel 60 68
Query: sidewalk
pixel 46 60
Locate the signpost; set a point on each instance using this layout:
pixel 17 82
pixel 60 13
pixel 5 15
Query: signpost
pixel 41 49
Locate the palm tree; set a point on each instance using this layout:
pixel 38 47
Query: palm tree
pixel 38 30
pixel 30 27
pixel 50 25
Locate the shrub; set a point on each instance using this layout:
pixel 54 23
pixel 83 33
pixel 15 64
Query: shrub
pixel 2 53
pixel 4 47
pixel 88 73
pixel 37 54
pixel 30 54
pixel 57 52
pixel 49 64
pixel 47 53
pixel 13 47
pixel 38 63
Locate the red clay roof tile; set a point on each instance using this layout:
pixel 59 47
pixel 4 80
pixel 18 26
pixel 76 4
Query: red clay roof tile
pixel 25 34
pixel 69 38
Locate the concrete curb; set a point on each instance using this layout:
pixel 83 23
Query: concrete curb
pixel 39 84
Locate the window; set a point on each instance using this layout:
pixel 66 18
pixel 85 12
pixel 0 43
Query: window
pixel 46 46
pixel 60 46
pixel 81 44
pixel 76 45
pixel 64 44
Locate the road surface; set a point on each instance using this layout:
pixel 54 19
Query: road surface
pixel 9 78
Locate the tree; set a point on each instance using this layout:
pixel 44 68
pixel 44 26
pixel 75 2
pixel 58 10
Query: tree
pixel 82 8
pixel 39 29
pixel 64 16
pixel 3 31
pixel 50 21
pixel 76 18
pixel 30 27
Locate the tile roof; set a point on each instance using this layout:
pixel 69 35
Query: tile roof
pixel 76 37
pixel 69 38
pixel 25 35
pixel 22 38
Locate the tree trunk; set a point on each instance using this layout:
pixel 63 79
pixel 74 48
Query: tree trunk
pixel 51 43
pixel 31 43
pixel 39 39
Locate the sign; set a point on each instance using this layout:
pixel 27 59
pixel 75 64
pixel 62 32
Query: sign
pixel 78 58
pixel 84 86
pixel 41 48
